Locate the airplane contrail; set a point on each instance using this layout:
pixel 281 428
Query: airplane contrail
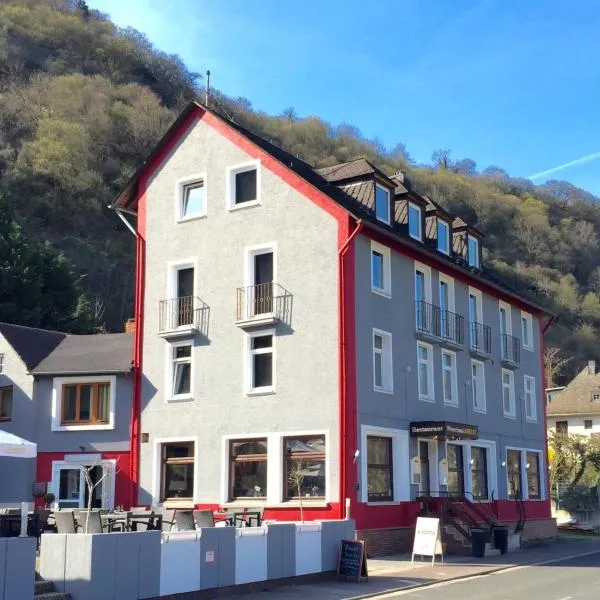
pixel 567 165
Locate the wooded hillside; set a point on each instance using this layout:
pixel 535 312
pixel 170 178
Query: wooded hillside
pixel 82 102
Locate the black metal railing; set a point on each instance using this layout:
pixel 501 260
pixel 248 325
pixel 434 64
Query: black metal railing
pixel 186 311
pixel 480 337
pixel 263 299
pixel 439 323
pixel 511 348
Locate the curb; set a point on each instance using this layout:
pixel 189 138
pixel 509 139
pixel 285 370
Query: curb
pixel 491 571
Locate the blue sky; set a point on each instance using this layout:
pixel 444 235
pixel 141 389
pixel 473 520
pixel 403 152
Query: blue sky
pixel 510 83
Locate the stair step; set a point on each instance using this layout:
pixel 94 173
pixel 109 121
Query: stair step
pixel 53 596
pixel 44 587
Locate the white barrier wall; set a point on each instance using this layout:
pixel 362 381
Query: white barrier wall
pixel 17 568
pixel 251 555
pixel 308 548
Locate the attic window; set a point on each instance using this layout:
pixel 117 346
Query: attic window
pixel 443 236
pixel 473 249
pixel 382 203
pixel 414 222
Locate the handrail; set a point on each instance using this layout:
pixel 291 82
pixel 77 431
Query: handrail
pixel 263 299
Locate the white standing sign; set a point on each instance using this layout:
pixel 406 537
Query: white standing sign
pixel 428 541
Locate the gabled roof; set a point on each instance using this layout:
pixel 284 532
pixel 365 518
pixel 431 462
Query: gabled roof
pixel 353 169
pixel 578 397
pixel 31 344
pixel 102 353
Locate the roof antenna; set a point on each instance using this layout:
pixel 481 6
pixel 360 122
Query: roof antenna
pixel 207 89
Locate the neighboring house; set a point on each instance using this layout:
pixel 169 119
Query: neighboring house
pixel 576 409
pixel 331 322
pixel 71 395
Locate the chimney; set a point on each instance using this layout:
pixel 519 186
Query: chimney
pixel 592 367
pixel 130 326
pixel 399 175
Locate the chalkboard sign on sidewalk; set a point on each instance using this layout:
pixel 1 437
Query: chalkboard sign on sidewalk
pixel 352 564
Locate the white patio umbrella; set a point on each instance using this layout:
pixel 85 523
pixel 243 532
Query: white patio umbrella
pixel 14 446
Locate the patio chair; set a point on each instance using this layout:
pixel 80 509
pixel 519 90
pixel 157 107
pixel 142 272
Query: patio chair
pixel 142 523
pixel 256 518
pixel 184 519
pixel 204 518
pixel 94 523
pixel 65 521
pixel 167 518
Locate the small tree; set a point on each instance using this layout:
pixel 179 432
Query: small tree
pixel 92 485
pixel 296 478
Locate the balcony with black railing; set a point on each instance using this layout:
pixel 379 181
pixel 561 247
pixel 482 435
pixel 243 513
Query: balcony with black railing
pixel 510 350
pixel 480 339
pixel 439 325
pixel 182 316
pixel 263 304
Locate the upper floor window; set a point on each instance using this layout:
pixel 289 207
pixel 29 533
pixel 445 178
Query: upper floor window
pixel 261 364
pixel 527 330
pixel 382 203
pixel 443 236
pixel 243 183
pixel 562 427
pixel 425 371
pixel 248 474
pixel 529 396
pixel 382 361
pixel 6 403
pixel 449 378
pixel 181 371
pixel 473 251
pixel 85 403
pixel 304 467
pixel 191 197
pixel 177 468
pixel 508 393
pixel 415 222
pixel 380 269
pixel 478 386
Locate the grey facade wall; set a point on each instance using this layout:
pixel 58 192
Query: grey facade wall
pixel 114 440
pixel 306 358
pixel 396 315
pixel 17 475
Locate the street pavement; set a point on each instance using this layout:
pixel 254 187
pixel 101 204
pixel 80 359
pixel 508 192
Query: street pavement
pixel 566 574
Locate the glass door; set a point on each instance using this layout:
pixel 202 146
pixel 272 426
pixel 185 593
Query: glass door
pixel 263 283
pixel 425 475
pixel 71 484
pixel 444 317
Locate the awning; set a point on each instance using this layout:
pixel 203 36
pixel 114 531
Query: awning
pixel 444 430
pixel 14 446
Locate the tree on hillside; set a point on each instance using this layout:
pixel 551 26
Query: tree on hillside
pixel 441 159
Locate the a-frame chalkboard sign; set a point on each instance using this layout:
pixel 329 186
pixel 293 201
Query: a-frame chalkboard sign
pixel 352 564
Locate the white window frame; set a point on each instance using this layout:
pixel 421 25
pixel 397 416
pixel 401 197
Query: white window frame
pixel 492 469
pixel 531 418
pixel 57 386
pixel 524 486
pixel 473 263
pixel 479 409
pixel 385 252
pixel 386 352
pixel 180 186
pixel 170 371
pixel 156 475
pixel 527 321
pixel 400 463
pixel 453 377
pixel 430 396
pixel 275 466
pixel 420 211
pixel 449 281
pixel 426 270
pixel 250 252
pixel 512 412
pixel 389 202
pixel 230 174
pixel 507 307
pixel 172 268
pixel 249 362
pixel 478 295
pixel 445 225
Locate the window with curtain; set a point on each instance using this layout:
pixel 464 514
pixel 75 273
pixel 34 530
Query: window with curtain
pixel 513 470
pixel 304 467
pixel 380 480
pixel 479 473
pixel 177 471
pixel 248 476
pixel 533 476
pixel 85 403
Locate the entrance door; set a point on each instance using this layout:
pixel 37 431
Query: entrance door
pixel 185 296
pixel 70 487
pixel 96 475
pixel 263 283
pixel 425 474
pixel 444 300
pixel 456 474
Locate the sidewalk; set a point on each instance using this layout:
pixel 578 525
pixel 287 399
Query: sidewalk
pixel 396 572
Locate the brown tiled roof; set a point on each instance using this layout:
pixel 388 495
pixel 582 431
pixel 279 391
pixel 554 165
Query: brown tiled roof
pixel 349 170
pixel 578 397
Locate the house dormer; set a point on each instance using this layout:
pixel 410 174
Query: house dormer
pixel 410 210
pixel 466 242
pixel 364 182
pixel 438 227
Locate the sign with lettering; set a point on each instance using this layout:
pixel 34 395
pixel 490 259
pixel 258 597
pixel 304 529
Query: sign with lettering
pixel 428 541
pixel 444 430
pixel 352 564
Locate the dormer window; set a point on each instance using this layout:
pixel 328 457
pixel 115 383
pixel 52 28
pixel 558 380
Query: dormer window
pixel 415 222
pixel 443 236
pixel 382 203
pixel 473 251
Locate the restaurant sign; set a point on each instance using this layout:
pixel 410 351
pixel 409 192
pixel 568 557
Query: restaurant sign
pixel 444 430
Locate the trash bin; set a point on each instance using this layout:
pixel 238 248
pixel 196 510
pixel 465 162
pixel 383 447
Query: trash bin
pixel 501 539
pixel 479 537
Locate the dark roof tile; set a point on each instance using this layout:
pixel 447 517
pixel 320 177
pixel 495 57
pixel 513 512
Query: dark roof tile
pixel 30 343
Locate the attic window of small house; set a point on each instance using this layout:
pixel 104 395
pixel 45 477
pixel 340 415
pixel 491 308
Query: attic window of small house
pixel 382 203
pixel 443 236
pixel 414 222
pixel 473 251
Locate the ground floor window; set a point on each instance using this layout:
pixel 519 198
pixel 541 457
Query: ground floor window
pixel 379 469
pixel 513 469
pixel 479 473
pixel 304 467
pixel 6 403
pixel 177 471
pixel 533 476
pixel 248 474
pixel 456 483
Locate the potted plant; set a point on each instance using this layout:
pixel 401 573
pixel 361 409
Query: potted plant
pixel 48 499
